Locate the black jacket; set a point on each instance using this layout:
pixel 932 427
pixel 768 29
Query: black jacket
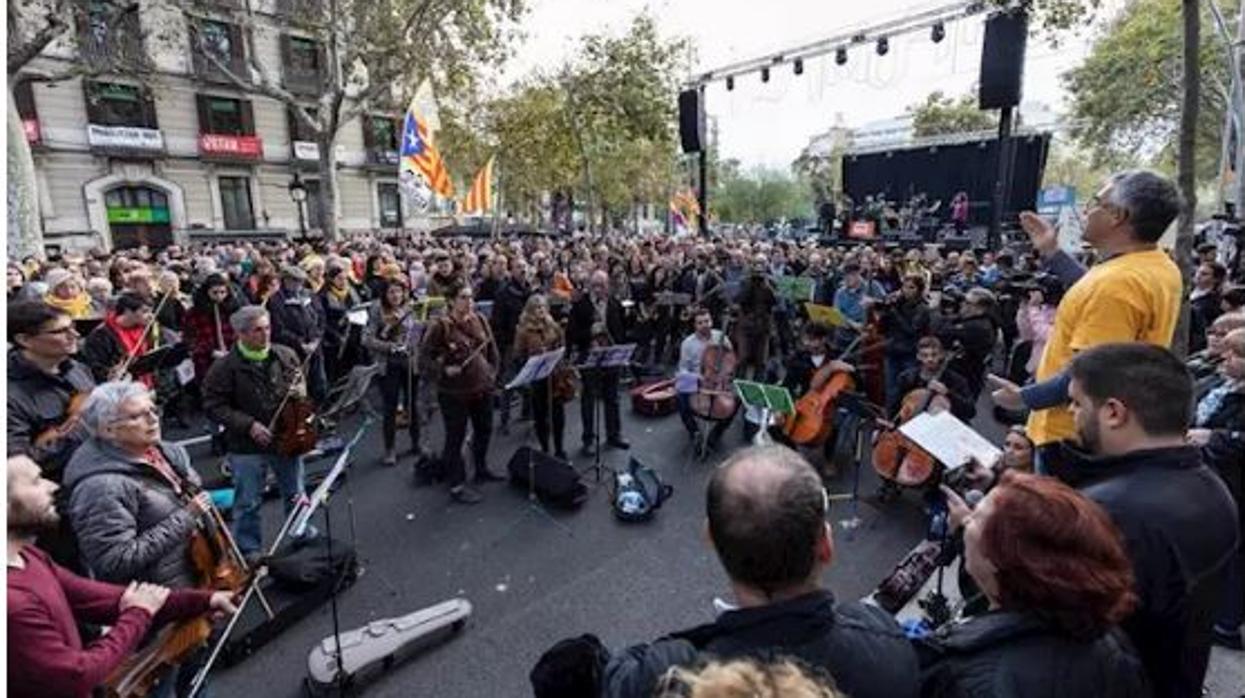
pixel 962 404
pixel 296 320
pixel 507 305
pixel 1014 655
pixel 975 338
pixel 238 392
pixel 903 324
pixel 1180 528
pixel 579 329
pixel 38 402
pixel 102 350
pixel 860 646
pixel 1203 311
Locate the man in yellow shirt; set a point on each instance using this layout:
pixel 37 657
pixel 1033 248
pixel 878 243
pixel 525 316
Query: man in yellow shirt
pixel 1133 295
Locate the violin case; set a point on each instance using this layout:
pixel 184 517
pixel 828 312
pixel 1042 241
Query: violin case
pixel 371 650
pixel 301 578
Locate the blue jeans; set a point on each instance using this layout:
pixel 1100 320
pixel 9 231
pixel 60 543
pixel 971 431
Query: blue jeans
pixel 248 482
pixel 895 365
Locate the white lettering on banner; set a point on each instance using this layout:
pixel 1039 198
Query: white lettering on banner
pixel 129 137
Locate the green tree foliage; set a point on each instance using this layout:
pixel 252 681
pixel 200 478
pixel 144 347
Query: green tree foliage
pixel 940 114
pixel 1126 96
pixel 759 195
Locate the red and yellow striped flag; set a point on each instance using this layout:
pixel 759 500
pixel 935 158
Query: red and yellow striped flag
pixel 480 198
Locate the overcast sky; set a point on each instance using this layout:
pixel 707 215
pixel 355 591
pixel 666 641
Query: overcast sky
pixel 768 124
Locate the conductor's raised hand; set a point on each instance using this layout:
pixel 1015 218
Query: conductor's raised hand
pixel 1005 393
pixel 1041 233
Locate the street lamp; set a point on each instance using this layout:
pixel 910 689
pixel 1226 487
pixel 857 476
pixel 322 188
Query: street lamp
pixel 298 193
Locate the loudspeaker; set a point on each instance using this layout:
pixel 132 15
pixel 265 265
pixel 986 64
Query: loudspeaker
pixel 1003 60
pixel 557 483
pixel 691 121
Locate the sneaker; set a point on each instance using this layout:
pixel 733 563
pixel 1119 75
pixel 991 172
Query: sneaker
pixel 465 495
pixel 390 459
pixel 618 442
pixel 587 449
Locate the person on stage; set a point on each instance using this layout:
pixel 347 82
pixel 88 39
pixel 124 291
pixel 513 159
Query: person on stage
pixel 388 336
pixel 130 501
pixel 46 602
pixel 458 351
pixel 243 392
pixel 691 354
pixel 597 320
pixel 536 333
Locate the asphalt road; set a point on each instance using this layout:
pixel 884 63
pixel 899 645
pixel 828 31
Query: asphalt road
pixel 534 577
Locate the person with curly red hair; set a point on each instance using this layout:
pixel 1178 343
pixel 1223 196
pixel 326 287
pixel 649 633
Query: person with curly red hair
pixel 1058 579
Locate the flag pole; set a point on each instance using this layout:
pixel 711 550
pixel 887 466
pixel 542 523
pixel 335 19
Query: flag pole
pixel 496 199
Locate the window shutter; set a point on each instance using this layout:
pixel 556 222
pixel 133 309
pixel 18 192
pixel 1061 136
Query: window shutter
pixel 248 118
pixel 149 109
pixel 205 123
pixel 285 54
pixel 237 49
pixel 291 120
pixel 92 102
pixel 369 135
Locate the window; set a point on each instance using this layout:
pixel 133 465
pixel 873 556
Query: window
pixel 390 205
pixel 111 35
pixel 299 132
pixel 235 200
pixel 24 98
pixel 112 104
pixel 302 64
pixel 225 116
pixel 224 42
pixel 384 133
pixel 313 203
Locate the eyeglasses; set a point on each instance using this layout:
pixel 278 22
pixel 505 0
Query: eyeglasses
pixel 150 414
pixel 65 331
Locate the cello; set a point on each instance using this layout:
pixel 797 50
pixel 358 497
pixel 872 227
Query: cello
pixel 813 422
pixel 896 458
pixel 715 397
pixel 219 566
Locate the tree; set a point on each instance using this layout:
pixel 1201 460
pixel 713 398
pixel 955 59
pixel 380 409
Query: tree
pixel 374 54
pixel 940 114
pixel 759 196
pixel 1071 165
pixel 1143 48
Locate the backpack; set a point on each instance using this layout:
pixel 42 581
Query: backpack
pixel 638 492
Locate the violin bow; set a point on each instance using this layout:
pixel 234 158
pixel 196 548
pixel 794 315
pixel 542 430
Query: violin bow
pixel 124 367
pixel 300 373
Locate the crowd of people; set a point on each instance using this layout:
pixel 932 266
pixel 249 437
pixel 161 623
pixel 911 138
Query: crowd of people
pixel 1140 453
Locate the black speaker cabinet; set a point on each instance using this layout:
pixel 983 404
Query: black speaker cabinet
pixel 1003 60
pixel 691 121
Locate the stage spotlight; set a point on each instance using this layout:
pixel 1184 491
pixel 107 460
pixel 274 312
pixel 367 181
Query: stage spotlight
pixel 730 83
pixel 883 46
pixel 938 33
pixel 840 56
pixel 799 66
pixel 765 75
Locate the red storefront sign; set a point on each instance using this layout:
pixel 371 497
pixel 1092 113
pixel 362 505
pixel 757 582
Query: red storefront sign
pixel 225 146
pixel 31 126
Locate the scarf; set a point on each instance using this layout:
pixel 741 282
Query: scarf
pixel 78 307
pixel 341 295
pixel 256 355
pixel 133 339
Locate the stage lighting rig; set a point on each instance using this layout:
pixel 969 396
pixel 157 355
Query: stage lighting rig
pixel 840 56
pixel 798 66
pixel 884 46
pixel 730 83
pixel 938 33
pixel 765 75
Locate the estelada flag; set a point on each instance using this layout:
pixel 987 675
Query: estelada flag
pixel 420 157
pixel 480 198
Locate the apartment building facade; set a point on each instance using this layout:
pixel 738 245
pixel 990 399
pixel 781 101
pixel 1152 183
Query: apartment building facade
pixel 183 154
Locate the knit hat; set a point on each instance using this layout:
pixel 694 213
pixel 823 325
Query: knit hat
pixel 58 276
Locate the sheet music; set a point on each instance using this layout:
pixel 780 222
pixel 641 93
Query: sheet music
pixel 949 440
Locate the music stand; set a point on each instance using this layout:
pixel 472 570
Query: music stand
pixel 538 368
pixel 868 412
pixel 613 356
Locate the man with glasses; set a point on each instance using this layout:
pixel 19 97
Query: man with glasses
pixel 43 380
pixel 766 520
pixel 1132 295
pixel 131 503
pixel 243 392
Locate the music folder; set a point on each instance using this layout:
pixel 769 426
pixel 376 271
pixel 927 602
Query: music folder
pixel 166 356
pixel 951 441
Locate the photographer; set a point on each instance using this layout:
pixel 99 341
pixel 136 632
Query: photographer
pixel 1034 320
pixel 974 331
pixel 1058 581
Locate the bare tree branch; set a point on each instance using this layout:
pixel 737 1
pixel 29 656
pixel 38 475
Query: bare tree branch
pixel 20 53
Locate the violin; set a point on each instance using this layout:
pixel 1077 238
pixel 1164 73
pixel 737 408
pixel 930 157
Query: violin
pixel 293 426
pixel 715 397
pixel 813 421
pixel 73 412
pixel 895 457
pixel 219 566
